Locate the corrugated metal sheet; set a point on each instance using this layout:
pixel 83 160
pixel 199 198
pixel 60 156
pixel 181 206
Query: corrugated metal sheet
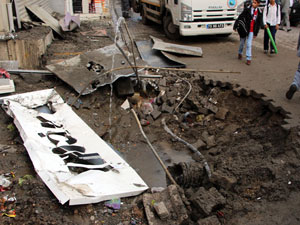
pixel 20 5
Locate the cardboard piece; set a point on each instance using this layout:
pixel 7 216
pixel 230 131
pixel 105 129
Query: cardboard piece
pixel 91 186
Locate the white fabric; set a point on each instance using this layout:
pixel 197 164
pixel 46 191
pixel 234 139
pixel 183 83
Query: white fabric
pixel 272 17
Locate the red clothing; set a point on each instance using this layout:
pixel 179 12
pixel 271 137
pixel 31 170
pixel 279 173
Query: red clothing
pixel 253 20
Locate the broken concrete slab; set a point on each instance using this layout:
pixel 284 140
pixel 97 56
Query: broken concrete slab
pixel 75 72
pixel 175 48
pixel 206 201
pixel 171 197
pixel 154 57
pixel 110 177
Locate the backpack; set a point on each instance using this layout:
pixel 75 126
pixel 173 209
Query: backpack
pixel 242 27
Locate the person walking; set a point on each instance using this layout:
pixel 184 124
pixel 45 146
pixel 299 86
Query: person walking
pixel 285 20
pixel 295 86
pixel 271 18
pixel 125 5
pixel 248 25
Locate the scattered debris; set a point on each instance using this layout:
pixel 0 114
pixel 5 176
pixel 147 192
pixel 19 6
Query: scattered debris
pixel 125 105
pixel 168 205
pixel 114 204
pixel 41 13
pixel 155 57
pixel 24 178
pixel 64 171
pixel 69 22
pixel 175 48
pixel 206 201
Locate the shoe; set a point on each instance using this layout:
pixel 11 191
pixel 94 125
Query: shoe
pixel 240 56
pixel 265 51
pixel 272 52
pixel 289 94
pixel 280 28
pixel 288 30
pixel 126 15
pixel 248 62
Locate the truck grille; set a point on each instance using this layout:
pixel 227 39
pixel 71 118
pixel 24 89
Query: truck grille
pixel 214 14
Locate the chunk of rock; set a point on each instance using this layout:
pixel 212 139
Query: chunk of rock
pixel 213 220
pixel 165 108
pixel 161 210
pixel 173 199
pixel 199 144
pixel 221 114
pixel 206 201
pixel 223 180
pixel 155 114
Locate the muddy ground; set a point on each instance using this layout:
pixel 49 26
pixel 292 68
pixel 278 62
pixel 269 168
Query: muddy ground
pixel 254 161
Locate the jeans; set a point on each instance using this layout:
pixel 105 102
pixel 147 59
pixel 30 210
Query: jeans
pixel 267 39
pixel 248 46
pixel 297 77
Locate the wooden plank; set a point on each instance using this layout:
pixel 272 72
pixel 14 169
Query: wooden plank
pixel 23 14
pixel 18 14
pixel 45 17
pixel 4 23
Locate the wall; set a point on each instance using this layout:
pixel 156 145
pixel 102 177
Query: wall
pixel 58 6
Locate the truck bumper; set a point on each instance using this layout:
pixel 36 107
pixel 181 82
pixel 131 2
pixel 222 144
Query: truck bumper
pixel 209 28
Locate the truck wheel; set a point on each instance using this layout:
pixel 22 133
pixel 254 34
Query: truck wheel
pixel 170 29
pixel 145 21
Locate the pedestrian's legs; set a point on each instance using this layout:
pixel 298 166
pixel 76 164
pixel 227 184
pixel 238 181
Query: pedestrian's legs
pixel 125 8
pixel 297 77
pixel 295 85
pixel 249 46
pixel 287 20
pixel 266 40
pixel 273 32
pixel 242 44
pixel 282 22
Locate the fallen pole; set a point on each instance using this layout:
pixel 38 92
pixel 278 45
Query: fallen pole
pixel 153 150
pixel 17 71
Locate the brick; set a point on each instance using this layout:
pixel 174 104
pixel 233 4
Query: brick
pixel 161 210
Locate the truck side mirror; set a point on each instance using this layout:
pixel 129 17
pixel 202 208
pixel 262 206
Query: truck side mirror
pixel 176 2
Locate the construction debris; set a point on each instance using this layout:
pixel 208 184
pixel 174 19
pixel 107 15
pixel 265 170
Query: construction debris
pixel 78 174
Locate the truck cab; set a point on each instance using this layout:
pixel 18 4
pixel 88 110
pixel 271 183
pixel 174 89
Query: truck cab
pixel 191 17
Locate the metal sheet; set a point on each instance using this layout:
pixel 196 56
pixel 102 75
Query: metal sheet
pixel 154 57
pixel 75 72
pixel 90 186
pixel 175 48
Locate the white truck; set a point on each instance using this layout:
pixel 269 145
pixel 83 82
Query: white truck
pixel 190 17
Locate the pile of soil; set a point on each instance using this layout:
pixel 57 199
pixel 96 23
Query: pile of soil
pixel 254 161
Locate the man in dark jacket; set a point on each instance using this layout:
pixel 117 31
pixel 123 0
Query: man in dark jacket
pixel 248 25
